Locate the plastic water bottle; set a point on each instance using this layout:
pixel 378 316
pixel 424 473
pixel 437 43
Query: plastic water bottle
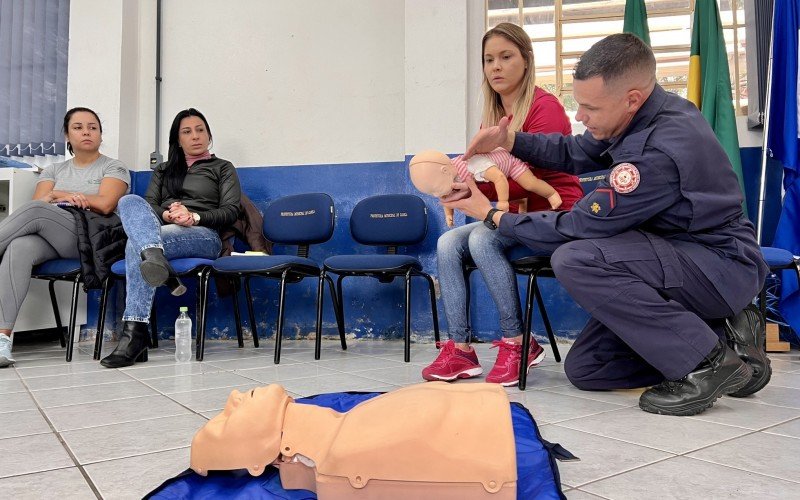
pixel 183 336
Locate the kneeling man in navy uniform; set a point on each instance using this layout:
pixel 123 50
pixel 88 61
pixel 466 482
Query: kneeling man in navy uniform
pixel 660 253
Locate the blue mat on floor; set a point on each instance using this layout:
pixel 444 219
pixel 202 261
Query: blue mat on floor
pixel 537 473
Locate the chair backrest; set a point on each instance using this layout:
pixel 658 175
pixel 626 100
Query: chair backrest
pixel 389 219
pixel 301 219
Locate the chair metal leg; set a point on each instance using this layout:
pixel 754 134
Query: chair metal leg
pixel 545 319
pixel 468 299
pixel 340 298
pixel 73 312
pixel 407 337
pixel 526 334
pixel 153 326
pixel 101 317
pixel 279 329
pixel 249 297
pixel 434 311
pixel 236 315
pixel 337 310
pixel 54 302
pixel 318 328
pixel 201 332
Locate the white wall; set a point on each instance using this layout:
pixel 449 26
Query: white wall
pixel 281 83
pixel 285 83
pixel 94 63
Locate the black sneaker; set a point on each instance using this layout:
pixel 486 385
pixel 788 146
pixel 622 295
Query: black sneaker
pixel 746 334
pixel 722 373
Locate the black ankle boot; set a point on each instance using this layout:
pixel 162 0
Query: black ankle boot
pixel 721 373
pixel 176 287
pixel 132 346
pixel 745 333
pixel 155 266
pixel 157 271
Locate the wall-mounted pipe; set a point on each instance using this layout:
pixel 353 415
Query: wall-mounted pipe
pixel 155 156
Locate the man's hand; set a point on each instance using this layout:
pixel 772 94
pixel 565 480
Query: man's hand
pixel 490 138
pixel 476 206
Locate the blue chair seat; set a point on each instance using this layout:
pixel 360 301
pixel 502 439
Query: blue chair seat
pixel 266 264
pixel 57 267
pixel 372 263
pixel 777 257
pixel 181 266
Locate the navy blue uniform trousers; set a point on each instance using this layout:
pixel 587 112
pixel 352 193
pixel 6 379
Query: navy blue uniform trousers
pixel 655 315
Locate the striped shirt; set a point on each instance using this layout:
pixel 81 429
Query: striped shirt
pixel 511 166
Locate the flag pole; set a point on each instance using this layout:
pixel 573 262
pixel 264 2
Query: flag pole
pixel 762 188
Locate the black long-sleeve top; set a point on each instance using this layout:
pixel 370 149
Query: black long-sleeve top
pixel 211 189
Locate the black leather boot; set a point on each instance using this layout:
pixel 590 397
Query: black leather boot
pixel 132 346
pixel 721 373
pixel 746 336
pixel 157 271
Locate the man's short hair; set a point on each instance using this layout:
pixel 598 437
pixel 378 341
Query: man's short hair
pixel 614 57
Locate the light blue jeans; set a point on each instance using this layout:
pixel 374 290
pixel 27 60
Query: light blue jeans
pixel 487 249
pixel 144 230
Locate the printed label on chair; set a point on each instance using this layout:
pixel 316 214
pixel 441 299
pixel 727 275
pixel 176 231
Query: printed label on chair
pixel 389 215
pixel 298 214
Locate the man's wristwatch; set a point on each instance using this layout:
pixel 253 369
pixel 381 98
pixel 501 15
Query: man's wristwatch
pixel 489 221
pixel 196 218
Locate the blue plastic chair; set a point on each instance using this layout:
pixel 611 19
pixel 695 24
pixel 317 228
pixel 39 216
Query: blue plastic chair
pixel 302 220
pixel 392 221
pixel 184 268
pixel 62 270
pixel 777 259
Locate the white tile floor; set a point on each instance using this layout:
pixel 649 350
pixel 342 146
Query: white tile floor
pixel 77 430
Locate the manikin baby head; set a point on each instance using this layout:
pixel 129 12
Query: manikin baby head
pixel 251 418
pixel 433 173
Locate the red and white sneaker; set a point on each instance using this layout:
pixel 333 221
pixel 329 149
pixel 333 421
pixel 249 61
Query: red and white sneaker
pixel 506 369
pixel 453 363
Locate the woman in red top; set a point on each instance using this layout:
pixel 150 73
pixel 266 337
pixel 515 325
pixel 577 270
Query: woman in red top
pixel 509 90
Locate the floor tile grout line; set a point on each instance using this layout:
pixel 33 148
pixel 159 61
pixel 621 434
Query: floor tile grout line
pixel 64 444
pixel 649 447
pixel 138 455
pixel 697 418
pixel 14 476
pixel 589 493
pixel 794 481
pixel 633 468
pixel 663 459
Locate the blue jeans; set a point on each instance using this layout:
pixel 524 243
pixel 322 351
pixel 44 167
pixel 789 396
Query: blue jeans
pixel 487 249
pixel 144 230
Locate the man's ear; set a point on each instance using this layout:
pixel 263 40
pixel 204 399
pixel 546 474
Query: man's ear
pixel 635 99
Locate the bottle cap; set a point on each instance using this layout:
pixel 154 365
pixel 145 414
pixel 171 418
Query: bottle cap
pixel 183 309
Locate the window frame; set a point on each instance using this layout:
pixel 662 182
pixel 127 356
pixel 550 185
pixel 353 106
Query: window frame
pixel 564 90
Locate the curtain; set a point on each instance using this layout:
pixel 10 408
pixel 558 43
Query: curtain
pixel 34 35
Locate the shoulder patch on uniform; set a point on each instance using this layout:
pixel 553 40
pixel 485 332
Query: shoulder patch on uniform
pixel 624 178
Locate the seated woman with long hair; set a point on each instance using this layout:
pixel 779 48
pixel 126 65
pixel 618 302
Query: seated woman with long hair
pixel 39 230
pixel 190 198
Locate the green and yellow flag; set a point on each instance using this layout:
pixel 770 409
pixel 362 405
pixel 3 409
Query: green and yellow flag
pixel 636 20
pixel 710 82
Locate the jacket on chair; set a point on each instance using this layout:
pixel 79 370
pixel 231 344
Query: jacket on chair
pixel 101 242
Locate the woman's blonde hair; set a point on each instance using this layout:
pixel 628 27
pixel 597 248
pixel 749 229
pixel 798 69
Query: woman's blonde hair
pixel 492 105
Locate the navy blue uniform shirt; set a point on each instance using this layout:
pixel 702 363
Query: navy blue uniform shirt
pixel 686 196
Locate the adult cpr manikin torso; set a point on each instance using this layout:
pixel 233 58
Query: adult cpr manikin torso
pixel 434 440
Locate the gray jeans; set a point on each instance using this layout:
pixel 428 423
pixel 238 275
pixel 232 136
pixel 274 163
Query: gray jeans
pixel 34 233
